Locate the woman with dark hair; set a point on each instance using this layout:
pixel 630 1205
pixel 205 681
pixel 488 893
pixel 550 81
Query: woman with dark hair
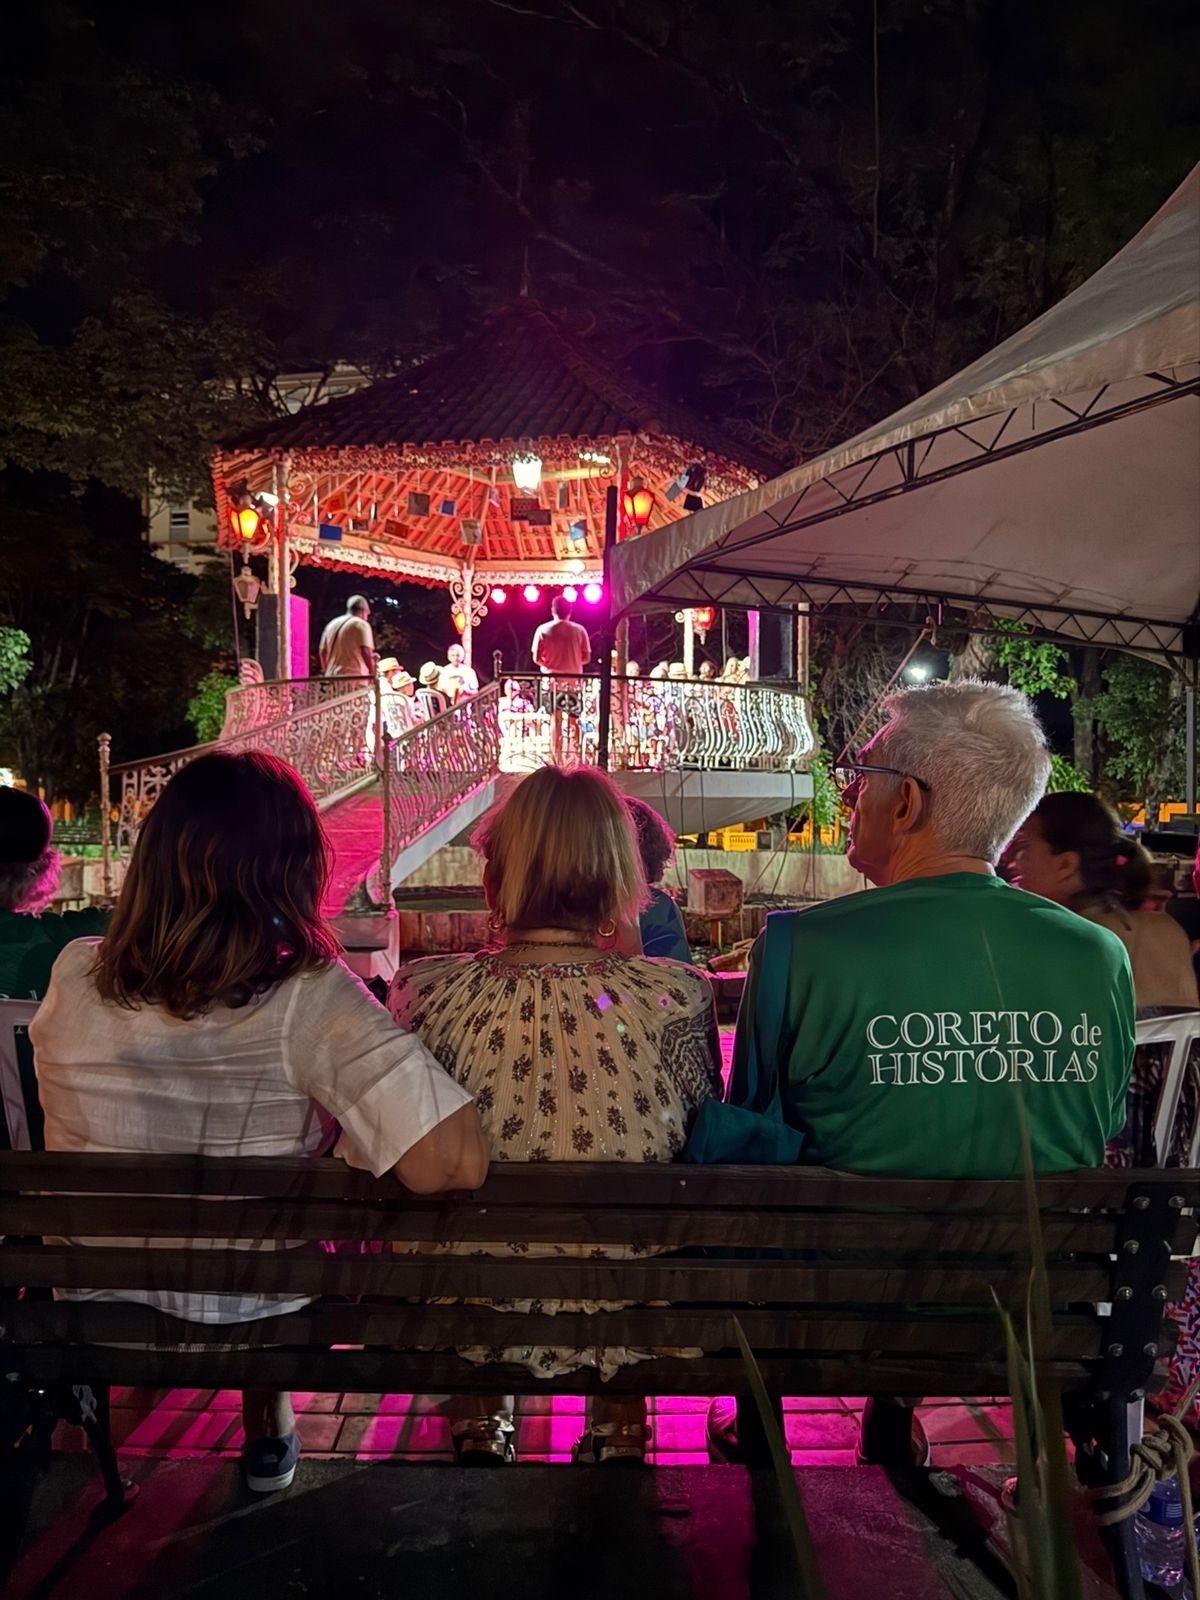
pixel 216 1018
pixel 1071 849
pixel 30 936
pixel 574 1050
pixel 661 923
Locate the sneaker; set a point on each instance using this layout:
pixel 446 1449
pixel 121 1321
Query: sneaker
pixel 484 1441
pixel 270 1464
pixel 612 1444
pixel 881 1442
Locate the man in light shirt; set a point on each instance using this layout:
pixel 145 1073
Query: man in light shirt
pixel 347 648
pixel 561 648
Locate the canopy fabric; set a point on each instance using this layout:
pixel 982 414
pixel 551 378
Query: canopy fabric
pixel 1056 480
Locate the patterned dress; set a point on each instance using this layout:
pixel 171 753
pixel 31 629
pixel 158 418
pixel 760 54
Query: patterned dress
pixel 598 1060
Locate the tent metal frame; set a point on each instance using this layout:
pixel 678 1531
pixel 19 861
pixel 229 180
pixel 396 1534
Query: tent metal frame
pixel 709 579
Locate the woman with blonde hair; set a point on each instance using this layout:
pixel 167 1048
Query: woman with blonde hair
pixel 573 1050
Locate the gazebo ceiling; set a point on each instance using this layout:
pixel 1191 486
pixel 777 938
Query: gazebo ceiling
pixel 412 476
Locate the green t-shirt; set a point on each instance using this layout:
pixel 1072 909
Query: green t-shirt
pixel 910 1012
pixel 29 947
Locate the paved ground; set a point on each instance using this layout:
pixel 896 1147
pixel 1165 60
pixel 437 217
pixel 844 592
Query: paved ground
pixel 190 1423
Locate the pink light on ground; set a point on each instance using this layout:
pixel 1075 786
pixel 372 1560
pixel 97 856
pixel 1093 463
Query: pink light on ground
pixel 498 596
pixel 531 592
pixel 593 593
pixel 570 592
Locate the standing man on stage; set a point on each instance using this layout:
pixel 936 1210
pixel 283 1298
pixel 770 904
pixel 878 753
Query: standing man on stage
pixel 347 648
pixel 561 648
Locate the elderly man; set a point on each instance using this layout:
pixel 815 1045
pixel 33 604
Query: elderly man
pixel 900 1028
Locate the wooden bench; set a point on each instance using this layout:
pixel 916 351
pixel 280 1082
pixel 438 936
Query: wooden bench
pixel 843 1285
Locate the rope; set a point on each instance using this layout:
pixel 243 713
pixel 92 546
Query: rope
pixel 1162 1453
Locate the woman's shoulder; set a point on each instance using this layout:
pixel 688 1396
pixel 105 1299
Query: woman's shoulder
pixel 682 982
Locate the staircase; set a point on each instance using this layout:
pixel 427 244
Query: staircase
pixel 387 803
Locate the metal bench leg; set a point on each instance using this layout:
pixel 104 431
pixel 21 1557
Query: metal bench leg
pixel 92 1405
pixel 1100 1430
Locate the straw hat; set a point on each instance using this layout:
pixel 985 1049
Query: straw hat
pixel 430 673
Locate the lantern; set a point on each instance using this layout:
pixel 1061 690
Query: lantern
pixel 460 621
pixel 246 522
pixel 593 594
pixel 531 592
pixel 703 618
pixel 498 596
pixel 570 593
pixel 637 503
pixel 527 473
pixel 247 588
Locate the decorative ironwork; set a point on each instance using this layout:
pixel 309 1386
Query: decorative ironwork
pixel 257 705
pixel 330 743
pixel 657 724
pixel 436 765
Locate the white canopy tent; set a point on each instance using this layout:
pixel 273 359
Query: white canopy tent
pixel 1057 480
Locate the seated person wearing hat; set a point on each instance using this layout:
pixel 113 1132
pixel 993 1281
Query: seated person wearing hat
pixel 431 702
pixel 31 939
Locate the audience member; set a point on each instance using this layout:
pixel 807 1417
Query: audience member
pixel 661 923
pixel 1071 849
pixel 574 1052
pixel 707 672
pixel 902 1027
pixel 216 1018
pixel 30 936
pixel 431 702
pixel 456 680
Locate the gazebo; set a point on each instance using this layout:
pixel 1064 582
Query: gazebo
pixel 481 469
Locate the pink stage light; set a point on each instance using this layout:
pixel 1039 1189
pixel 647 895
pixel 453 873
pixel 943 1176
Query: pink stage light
pixel 531 592
pixel 571 592
pixel 499 596
pixel 592 593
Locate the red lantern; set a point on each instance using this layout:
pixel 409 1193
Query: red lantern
pixel 246 522
pixel 703 617
pixel 638 503
pixel 460 622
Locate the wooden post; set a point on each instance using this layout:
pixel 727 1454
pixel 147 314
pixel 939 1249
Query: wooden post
pixel 283 573
pixel 802 624
pixel 752 620
pixel 468 579
pixel 105 743
pixel 610 540
pixel 689 642
pixel 383 759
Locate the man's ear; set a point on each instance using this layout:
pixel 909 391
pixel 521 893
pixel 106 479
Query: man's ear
pixel 911 806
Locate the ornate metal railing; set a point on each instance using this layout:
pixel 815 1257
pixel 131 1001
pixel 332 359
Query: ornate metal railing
pixel 258 705
pixel 436 765
pixel 339 733
pixel 331 744
pixel 656 724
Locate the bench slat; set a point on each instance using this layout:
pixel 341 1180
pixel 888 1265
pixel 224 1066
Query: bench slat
pixel 412 1327
pixel 585 1184
pixel 388 1372
pixel 305 1272
pixel 915 1234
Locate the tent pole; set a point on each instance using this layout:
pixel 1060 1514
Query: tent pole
pixel 283 583
pixel 1190 738
pixel 606 638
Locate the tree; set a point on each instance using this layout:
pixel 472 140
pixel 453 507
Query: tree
pixel 108 646
pixel 14 658
pixel 1140 710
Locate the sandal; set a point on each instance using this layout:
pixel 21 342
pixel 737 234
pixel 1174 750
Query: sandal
pixel 484 1442
pixel 612 1444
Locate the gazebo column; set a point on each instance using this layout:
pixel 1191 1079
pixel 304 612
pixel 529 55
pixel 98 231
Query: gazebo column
pixel 468 578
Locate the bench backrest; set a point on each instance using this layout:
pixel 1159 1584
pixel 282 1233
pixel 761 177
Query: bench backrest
pixel 873 1281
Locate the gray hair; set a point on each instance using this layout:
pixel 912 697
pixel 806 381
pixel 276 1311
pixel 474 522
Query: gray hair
pixel 30 885
pixel 980 748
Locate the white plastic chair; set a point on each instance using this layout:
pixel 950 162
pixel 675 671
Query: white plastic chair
pixel 1180 1030
pixel 15 1017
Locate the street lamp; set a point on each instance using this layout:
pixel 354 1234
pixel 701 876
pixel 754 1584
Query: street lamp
pixel 638 503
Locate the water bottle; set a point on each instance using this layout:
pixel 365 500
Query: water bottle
pixel 1158 1528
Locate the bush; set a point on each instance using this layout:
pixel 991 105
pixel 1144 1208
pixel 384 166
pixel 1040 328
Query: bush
pixel 206 708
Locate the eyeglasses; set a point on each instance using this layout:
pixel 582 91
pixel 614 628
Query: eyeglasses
pixel 849 775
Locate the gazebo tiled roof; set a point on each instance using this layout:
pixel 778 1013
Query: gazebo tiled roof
pixel 519 377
